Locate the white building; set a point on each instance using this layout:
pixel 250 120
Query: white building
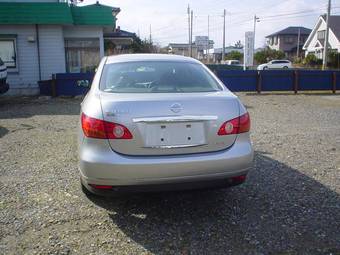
pixel 199 47
pixel 41 38
pixel 315 41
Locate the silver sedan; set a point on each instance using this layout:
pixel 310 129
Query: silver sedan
pixel 161 122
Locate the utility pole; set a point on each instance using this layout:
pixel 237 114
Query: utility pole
pixel 150 38
pixel 189 31
pixel 325 47
pixel 256 19
pixel 208 44
pixel 191 19
pixel 298 45
pixel 223 50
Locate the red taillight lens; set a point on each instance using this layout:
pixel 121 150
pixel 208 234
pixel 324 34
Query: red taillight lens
pixel 100 186
pixel 239 179
pixel 100 129
pixel 238 125
pixel 244 123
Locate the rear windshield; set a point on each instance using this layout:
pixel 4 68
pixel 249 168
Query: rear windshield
pixel 157 77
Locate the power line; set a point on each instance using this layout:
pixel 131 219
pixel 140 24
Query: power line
pixel 218 26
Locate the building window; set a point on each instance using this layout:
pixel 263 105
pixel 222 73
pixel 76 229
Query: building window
pixel 8 52
pixel 82 55
pixel 288 39
pixel 321 35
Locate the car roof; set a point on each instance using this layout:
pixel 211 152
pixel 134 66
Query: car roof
pixel 148 57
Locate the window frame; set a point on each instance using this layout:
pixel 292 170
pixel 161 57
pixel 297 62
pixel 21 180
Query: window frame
pixel 78 49
pixel 321 32
pixel 12 38
pixel 288 39
pixel 205 70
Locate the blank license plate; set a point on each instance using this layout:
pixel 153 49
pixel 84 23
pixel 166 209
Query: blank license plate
pixel 181 134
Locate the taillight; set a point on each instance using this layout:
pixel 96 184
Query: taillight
pixel 239 179
pixel 100 129
pixel 101 186
pixel 238 125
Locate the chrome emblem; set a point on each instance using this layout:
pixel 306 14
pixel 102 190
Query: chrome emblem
pixel 176 107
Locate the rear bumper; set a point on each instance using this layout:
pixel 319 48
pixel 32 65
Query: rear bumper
pixel 201 184
pixel 100 165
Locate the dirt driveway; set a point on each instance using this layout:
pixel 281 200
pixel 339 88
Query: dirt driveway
pixel 290 203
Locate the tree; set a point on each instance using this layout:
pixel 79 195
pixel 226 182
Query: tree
pixel 142 46
pixel 267 55
pixel 234 55
pixel 333 59
pixel 311 60
pixel 238 44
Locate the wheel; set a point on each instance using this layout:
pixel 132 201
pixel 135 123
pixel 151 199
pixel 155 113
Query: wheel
pixel 285 67
pixel 265 68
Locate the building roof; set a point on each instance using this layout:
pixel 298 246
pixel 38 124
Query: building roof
pixel 95 14
pixel 334 24
pixel 120 34
pixel 20 13
pixel 292 31
pixel 181 45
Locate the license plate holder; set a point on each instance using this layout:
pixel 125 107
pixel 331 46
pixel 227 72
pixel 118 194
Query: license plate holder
pixel 178 134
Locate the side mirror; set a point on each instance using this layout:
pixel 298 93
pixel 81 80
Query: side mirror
pixel 84 83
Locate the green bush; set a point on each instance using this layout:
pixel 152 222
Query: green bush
pixel 234 55
pixel 267 55
pixel 312 60
pixel 333 59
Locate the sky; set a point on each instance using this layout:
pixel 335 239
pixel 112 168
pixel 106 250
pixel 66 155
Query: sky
pixel 169 20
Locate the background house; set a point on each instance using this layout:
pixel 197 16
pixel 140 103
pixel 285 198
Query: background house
pixel 182 49
pixel 286 40
pixel 315 42
pixel 118 41
pixel 38 39
pixel 217 52
pixel 199 47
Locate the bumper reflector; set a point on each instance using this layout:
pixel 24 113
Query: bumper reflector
pixel 239 179
pixel 100 186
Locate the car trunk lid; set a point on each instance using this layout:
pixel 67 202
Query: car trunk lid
pixel 170 124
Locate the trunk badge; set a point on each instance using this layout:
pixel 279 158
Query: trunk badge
pixel 115 112
pixel 176 107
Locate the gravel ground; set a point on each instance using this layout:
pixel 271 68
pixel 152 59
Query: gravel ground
pixel 290 203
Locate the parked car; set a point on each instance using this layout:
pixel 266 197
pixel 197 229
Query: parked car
pixel 3 77
pixel 233 62
pixel 153 121
pixel 275 64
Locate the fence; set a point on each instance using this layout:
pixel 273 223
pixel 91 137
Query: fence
pixel 280 80
pixel 66 84
pixel 70 84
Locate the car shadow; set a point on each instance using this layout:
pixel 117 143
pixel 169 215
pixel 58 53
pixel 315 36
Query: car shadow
pixel 279 210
